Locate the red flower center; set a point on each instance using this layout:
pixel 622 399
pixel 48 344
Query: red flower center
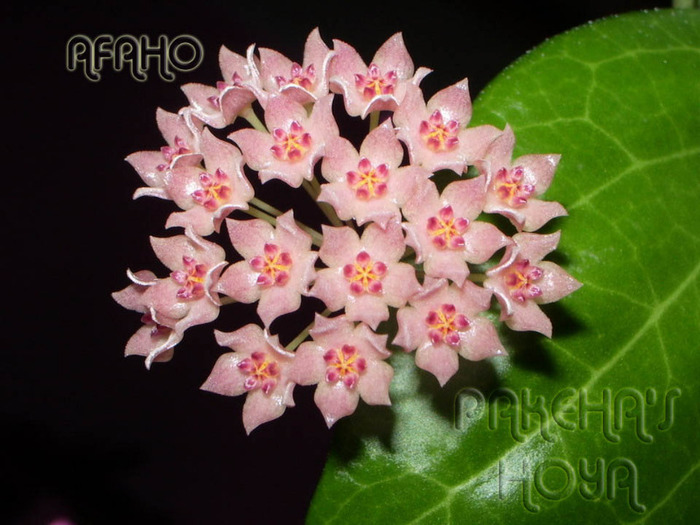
pixel 292 145
pixel 520 280
pixel 260 371
pixel 191 279
pixel 438 135
pixel 444 325
pixel 368 182
pixel 365 275
pixel 446 231
pixel 374 83
pixel 510 189
pixel 344 365
pixel 215 189
pixel 273 265
pixel 299 76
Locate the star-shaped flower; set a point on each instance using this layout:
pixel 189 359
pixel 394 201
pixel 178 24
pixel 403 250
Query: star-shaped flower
pixel 364 275
pixel 277 269
pixel 442 230
pixel 181 132
pixel 379 86
pixel 436 133
pixel 522 281
pixel 259 367
pixel 443 321
pixel 369 185
pixel 295 142
pixel 346 362
pixel 514 185
pixel 219 106
pixel 209 195
pixel 186 298
pixel 305 82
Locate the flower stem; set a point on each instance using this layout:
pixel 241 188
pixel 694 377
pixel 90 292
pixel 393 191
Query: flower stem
pixel 227 300
pixel 373 120
pixel 477 277
pixel 248 114
pixel 264 206
pixel 303 334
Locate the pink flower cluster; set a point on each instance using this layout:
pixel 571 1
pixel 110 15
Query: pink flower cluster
pixel 394 242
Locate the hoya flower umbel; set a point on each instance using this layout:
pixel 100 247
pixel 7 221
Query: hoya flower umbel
pixel 369 185
pixel 208 194
pixel 522 281
pixel 515 185
pixel 443 322
pixel 346 362
pixel 305 82
pixel 294 144
pixel 443 231
pixel 258 367
pixel 377 87
pixel 364 275
pixel 277 269
pixel 181 133
pixel 436 133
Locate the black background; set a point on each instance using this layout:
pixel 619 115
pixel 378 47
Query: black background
pixel 88 434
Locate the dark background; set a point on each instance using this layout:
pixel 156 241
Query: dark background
pixel 92 436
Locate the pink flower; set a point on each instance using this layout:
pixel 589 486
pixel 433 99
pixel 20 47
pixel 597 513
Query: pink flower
pixel 442 230
pixel 259 367
pixel 181 132
pixel 278 266
pixel 209 195
pixel 442 321
pixel 522 281
pixel 295 143
pixel 346 362
pixel 364 275
pixel 183 300
pixel 152 337
pixel 219 106
pixel 305 82
pixel 379 87
pixel 369 185
pixel 436 133
pixel 513 186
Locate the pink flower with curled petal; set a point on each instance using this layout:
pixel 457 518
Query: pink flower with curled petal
pixel 295 142
pixel 259 367
pixel 443 322
pixel 522 281
pixel 152 337
pixel 305 82
pixel 219 106
pixel 514 185
pixel 364 275
pixel 379 86
pixel 186 298
pixel 347 363
pixel 369 185
pixel 277 269
pixel 443 231
pixel 436 133
pixel 181 132
pixel 209 195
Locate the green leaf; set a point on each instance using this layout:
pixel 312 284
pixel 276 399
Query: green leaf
pixel 610 430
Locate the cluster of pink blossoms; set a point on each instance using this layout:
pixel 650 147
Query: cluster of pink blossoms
pixel 394 242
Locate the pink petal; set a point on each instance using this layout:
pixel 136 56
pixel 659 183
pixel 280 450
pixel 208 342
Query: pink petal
pixel 373 386
pixel 225 378
pixel 480 340
pixel 335 401
pixel 537 213
pixel 555 283
pixel 441 361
